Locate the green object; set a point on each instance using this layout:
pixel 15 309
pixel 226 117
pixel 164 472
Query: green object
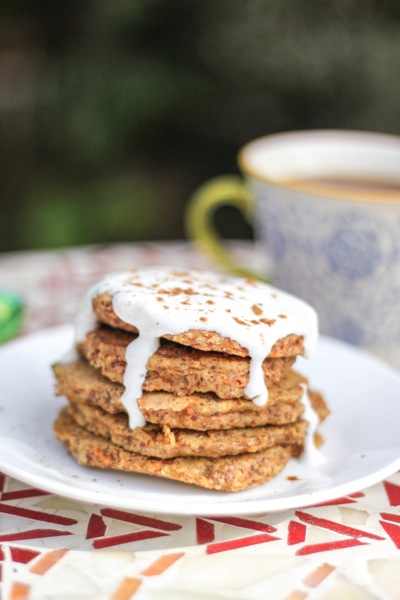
pixel 200 228
pixel 11 315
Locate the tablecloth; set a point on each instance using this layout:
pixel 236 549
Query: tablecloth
pixel 54 547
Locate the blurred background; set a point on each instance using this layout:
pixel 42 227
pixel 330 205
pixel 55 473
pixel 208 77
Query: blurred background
pixel 113 112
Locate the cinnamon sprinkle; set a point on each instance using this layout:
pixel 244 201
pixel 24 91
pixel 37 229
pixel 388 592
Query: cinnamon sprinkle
pixel 257 310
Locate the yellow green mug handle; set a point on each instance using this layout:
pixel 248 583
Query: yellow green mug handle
pixel 200 228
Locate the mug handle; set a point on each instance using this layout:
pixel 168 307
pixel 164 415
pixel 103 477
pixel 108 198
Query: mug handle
pixel 200 228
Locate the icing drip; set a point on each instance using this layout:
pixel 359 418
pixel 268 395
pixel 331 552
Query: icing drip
pixel 160 301
pixel 311 454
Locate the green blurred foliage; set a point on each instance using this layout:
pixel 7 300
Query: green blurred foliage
pixel 59 215
pixel 111 113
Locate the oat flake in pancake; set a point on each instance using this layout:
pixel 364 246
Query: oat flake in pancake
pixel 161 301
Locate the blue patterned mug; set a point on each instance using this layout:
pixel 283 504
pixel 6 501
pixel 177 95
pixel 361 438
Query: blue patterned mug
pixel 325 206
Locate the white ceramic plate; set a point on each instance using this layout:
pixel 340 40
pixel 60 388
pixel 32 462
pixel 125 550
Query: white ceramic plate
pixel 362 441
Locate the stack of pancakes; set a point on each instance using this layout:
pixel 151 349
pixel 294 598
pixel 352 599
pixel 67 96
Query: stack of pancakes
pixel 199 426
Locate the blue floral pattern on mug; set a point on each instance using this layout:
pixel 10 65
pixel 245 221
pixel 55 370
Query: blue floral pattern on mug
pixel 277 240
pixel 354 253
pixel 343 259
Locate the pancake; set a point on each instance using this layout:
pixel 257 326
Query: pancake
pixel 290 345
pixel 178 369
pixel 187 375
pixel 80 382
pixel 151 440
pixel 229 473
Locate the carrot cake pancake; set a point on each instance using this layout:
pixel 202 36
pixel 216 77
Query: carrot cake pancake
pixel 176 368
pixel 80 382
pixel 187 375
pixel 227 473
pixel 164 442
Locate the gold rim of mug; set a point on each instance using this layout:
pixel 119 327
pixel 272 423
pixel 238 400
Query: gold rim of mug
pixel 386 197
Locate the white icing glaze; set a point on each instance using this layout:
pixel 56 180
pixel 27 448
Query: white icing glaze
pixel 311 454
pixel 160 301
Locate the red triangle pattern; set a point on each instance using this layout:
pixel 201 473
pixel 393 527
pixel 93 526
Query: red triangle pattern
pixel 393 493
pixel 251 540
pixel 325 546
pixel 337 527
pixel 126 538
pixel 96 527
pixel 390 517
pixel 147 527
pixel 205 531
pixel 352 535
pixel 296 533
pixel 393 532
